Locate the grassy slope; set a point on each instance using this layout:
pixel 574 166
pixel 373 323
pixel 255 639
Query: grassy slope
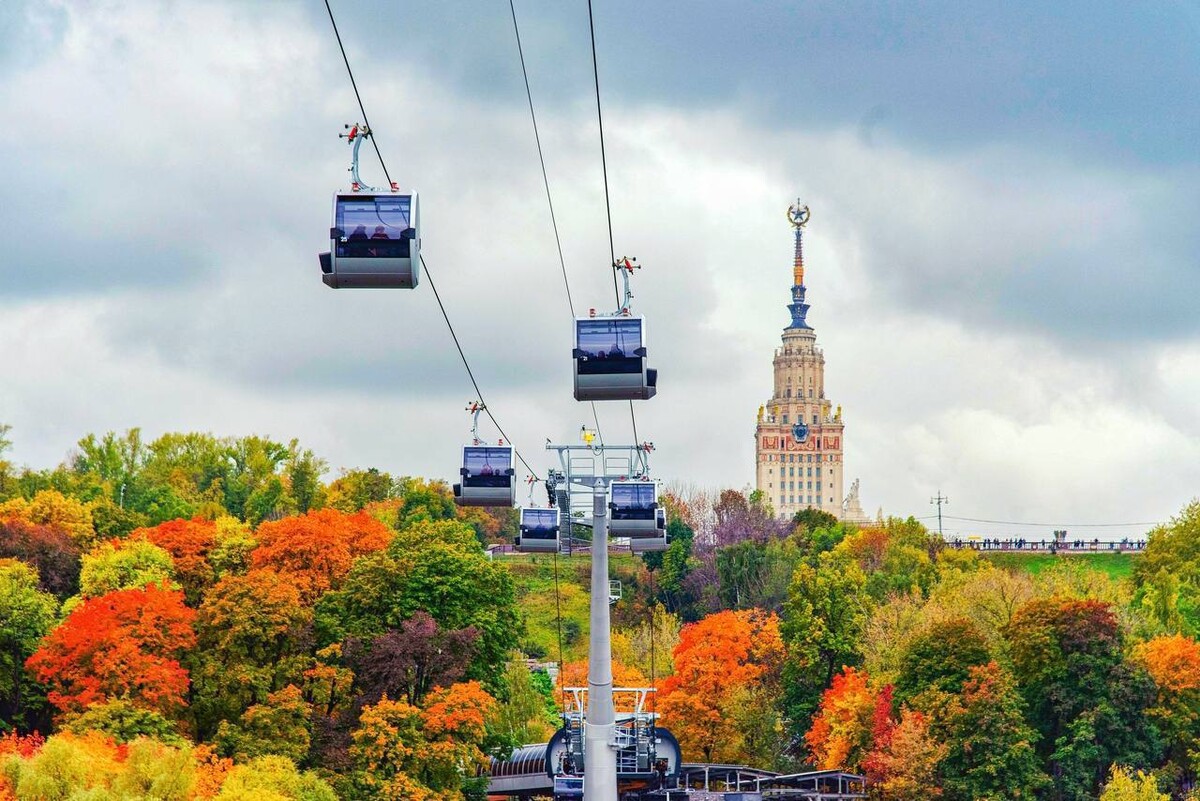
pixel 533 575
pixel 1116 565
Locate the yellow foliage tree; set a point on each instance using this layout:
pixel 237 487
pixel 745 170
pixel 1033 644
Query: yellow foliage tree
pixel 1125 785
pixel 52 508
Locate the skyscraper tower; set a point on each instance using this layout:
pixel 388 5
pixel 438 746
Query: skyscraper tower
pixel 798 439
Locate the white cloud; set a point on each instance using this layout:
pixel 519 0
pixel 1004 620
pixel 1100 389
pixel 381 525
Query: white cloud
pixel 186 131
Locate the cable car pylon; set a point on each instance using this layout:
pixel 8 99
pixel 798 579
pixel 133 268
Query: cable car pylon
pixel 622 487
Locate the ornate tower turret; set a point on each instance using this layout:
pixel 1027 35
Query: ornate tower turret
pixel 798 436
pixel 798 216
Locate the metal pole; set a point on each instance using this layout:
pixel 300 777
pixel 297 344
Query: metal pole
pixel 599 758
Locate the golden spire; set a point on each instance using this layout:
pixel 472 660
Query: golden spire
pixel 798 216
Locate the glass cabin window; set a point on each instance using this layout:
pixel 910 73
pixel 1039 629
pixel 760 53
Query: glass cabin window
pixel 633 496
pixel 485 461
pixel 615 338
pixel 539 523
pixel 382 217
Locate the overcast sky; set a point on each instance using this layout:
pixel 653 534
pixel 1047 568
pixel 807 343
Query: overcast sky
pixel 1003 259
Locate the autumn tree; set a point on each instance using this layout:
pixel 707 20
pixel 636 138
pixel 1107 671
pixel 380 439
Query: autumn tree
pixel 281 726
pixel 50 550
pixel 575 674
pixel 254 634
pixel 189 543
pixel 233 544
pixel 940 658
pixel 715 657
pixel 841 734
pixel 1173 662
pixel 907 765
pixel 126 644
pixel 1127 785
pixel 990 748
pixel 26 615
pixel 51 508
pixel 316 550
pixel 410 661
pixel 408 752
pixel 1087 702
pixel 273 778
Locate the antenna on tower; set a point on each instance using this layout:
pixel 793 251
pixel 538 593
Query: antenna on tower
pixel 940 500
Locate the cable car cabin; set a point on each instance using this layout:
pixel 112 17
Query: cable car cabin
pixel 375 242
pixel 539 531
pixel 610 360
pixel 488 478
pixel 633 510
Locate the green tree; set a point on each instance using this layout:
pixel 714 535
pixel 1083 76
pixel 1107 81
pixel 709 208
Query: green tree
pixel 26 615
pixel 990 754
pixel 823 623
pixel 281 726
pixel 354 489
pixel 425 500
pixel 6 467
pixel 461 588
pixel 940 658
pixel 125 722
pixel 529 714
pixel 1088 703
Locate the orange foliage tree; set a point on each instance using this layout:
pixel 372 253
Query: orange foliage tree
pixel 412 753
pixel 842 729
pixel 188 542
pixel 1174 664
pixel 316 550
pixel 718 658
pixel 123 645
pixel 575 674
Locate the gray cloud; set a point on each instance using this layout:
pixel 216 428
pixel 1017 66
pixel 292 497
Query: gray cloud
pixel 1006 322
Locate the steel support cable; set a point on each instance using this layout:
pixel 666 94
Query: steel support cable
pixel 562 262
pixel 446 317
pixel 612 250
pixel 470 373
pixel 1045 525
pixel 357 96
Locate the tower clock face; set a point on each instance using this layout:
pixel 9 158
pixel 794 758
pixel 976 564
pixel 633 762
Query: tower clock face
pixel 800 432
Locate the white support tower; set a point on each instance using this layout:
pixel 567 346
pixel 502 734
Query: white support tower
pixel 599 729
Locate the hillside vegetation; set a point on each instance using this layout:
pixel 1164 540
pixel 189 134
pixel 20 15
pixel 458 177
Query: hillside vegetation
pixel 199 617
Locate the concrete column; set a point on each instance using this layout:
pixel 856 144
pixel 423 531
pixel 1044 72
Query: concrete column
pixel 599 759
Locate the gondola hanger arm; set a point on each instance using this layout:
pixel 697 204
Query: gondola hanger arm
pixel 356 134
